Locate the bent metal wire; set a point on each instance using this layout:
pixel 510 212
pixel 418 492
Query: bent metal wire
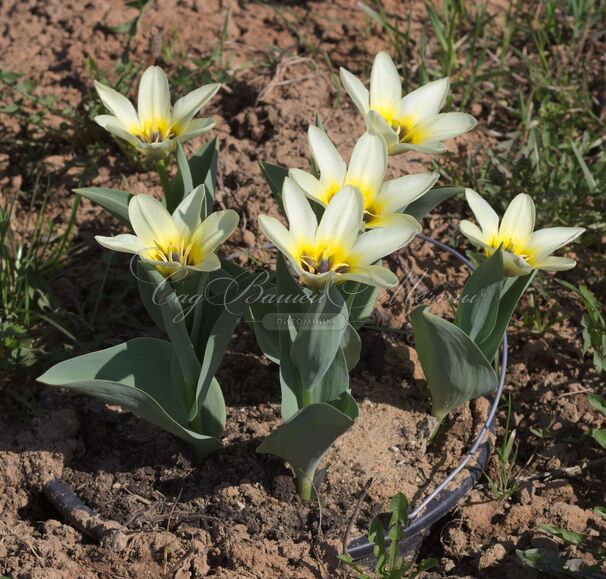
pixel 440 501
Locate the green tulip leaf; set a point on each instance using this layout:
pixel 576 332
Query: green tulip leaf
pixel 201 169
pixel 360 300
pixel 424 204
pixel 303 440
pixel 112 200
pixel 318 340
pixel 351 346
pixel 137 376
pixel 187 183
pixel 455 369
pixel 512 291
pixel 275 175
pixel 160 294
pixel 479 305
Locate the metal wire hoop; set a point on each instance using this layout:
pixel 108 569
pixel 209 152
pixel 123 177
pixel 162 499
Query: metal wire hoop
pixel 440 501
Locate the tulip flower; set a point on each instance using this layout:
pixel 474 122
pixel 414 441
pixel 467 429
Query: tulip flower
pixel 413 122
pixel 180 242
pixel 155 129
pixel 383 201
pixel 523 248
pixel 334 250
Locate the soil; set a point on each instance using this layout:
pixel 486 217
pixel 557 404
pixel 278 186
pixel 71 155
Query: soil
pixel 237 514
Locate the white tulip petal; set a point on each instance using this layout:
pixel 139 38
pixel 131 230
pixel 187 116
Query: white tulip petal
pixel 125 242
pixel 385 87
pixel 155 151
pixel 473 233
pixel 212 232
pixel 151 221
pixel 377 125
pixel 196 128
pixel 518 222
pixel 373 275
pixel 315 280
pixel 367 166
pixel 342 220
pixel 431 148
pixel 424 102
pixel 388 220
pixel 356 90
pixel 119 106
pixel 441 127
pixel 276 233
pixel 311 186
pixel 485 215
pixel 397 194
pixel 187 214
pixel 210 263
pixel 154 97
pixel 186 107
pixel 554 263
pixel 515 265
pixel 328 160
pixel 114 126
pixel 301 217
pixel 545 241
pixel 377 243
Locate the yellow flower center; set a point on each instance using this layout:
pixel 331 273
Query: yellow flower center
pixel 330 190
pixel 509 245
pixel 174 253
pixel 156 130
pixel 322 260
pixel 407 131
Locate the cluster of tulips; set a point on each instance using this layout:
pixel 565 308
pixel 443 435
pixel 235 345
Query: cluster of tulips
pixel 343 219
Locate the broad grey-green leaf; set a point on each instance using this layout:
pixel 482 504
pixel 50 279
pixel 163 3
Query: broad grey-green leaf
pixel 113 200
pixel 479 306
pixel 306 436
pixel 275 175
pixel 351 346
pixel 455 369
pixel 360 299
pixel 334 383
pixel 147 289
pixel 184 171
pixel 173 320
pixel 513 289
pixel 319 337
pixel 422 206
pixel 202 169
pixel 212 410
pixel 135 375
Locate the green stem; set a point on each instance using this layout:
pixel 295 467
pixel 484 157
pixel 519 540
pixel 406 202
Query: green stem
pixel 305 488
pixel 306 397
pixel 433 435
pixel 171 201
pixel 196 424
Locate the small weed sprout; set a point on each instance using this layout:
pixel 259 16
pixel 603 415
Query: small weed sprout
pixel 504 484
pixel 390 564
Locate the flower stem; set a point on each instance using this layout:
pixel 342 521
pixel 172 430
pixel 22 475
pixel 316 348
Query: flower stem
pixel 196 424
pixel 171 201
pixel 305 488
pixel 306 397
